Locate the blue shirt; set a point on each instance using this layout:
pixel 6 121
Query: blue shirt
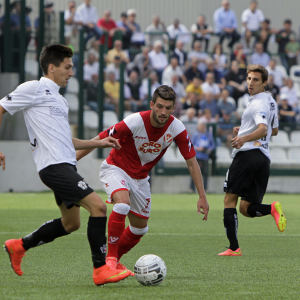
pixel 260 59
pixel 224 19
pixel 212 106
pixel 205 140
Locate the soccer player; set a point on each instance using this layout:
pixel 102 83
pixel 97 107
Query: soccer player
pixel 53 148
pixel 144 138
pixel 248 175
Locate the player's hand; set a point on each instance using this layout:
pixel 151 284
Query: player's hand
pixel 236 130
pixel 203 207
pixel 237 142
pixel 2 161
pixel 109 142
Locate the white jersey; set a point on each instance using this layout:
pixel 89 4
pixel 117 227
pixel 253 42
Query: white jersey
pixel 46 117
pixel 261 109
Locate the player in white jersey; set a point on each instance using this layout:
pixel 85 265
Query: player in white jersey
pixel 144 138
pixel 53 148
pixel 248 175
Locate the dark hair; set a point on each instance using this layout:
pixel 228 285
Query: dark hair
pixel 164 92
pixel 54 54
pixel 260 69
pixel 288 21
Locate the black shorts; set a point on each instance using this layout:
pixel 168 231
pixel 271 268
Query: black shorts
pixel 248 175
pixel 68 186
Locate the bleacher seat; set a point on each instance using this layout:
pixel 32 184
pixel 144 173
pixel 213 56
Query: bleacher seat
pixel 281 140
pixel 170 156
pixel 223 155
pixel 73 86
pixel 293 76
pixel 72 101
pixel 110 118
pixel 32 67
pixel 283 70
pixel 294 155
pixel 127 113
pixel 179 156
pixel 295 138
pixel 278 155
pixel 90 119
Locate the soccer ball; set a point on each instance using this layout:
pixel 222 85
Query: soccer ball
pixel 150 270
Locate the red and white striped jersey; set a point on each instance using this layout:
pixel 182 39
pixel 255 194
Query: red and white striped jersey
pixel 143 145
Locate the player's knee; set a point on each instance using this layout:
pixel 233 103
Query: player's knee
pixel 243 212
pixel 99 209
pixel 72 226
pixel 138 231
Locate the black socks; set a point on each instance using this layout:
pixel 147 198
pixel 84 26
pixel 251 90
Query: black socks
pixel 231 226
pixel 259 210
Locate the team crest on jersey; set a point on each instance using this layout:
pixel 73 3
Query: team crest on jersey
pixel 8 97
pixel 168 138
pixel 151 147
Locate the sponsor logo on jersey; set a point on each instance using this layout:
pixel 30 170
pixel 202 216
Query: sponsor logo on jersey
pixel 140 137
pixel 82 184
pixel 168 138
pixel 151 147
pixel 123 182
pixel 103 248
pixel 57 112
pixel 111 131
pixel 257 144
pixel 65 101
pixel 113 239
pixel 48 92
pixel 106 185
pixel 8 97
pixel 272 106
pixel 262 114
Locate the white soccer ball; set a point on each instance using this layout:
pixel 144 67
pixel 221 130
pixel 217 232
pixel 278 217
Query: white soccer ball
pixel 150 270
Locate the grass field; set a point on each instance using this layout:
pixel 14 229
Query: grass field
pixel 268 269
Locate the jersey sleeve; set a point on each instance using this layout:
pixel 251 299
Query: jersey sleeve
pixel 185 145
pixel 22 97
pixel 275 122
pixel 260 113
pixel 117 131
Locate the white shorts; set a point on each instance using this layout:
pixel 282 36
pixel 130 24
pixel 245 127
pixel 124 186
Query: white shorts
pixel 115 179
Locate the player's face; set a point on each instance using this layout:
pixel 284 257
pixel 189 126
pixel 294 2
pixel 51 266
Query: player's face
pixel 161 111
pixel 63 73
pixel 255 84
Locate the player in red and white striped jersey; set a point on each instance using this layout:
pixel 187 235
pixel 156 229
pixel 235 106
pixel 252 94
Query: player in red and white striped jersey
pixel 144 138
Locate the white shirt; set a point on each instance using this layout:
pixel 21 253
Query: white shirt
pixel 46 117
pixel 214 88
pixel 201 56
pixel 89 70
pixel 252 19
pixel 159 60
pixel 69 28
pixel 86 14
pixel 261 109
pixel 181 33
pixel 169 72
pixel 291 93
pixel 112 68
pixel 277 74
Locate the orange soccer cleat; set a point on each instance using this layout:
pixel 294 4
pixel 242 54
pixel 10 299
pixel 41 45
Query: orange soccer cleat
pixel 122 267
pixel 229 252
pixel 278 215
pixel 105 275
pixel 15 250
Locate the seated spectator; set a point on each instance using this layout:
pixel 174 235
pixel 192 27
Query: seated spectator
pixel 170 70
pixel 112 91
pixel 138 37
pixel 259 57
pixel 108 26
pixel 189 120
pixel 125 29
pixel 192 101
pixel 207 117
pixel 94 48
pixel 195 87
pixel 201 31
pixel 226 24
pixel 117 51
pixel 200 55
pixel 291 93
pixel 209 102
pixel 136 102
pixel 211 68
pixel 286 114
pixel 277 73
pixel 272 88
pixel 86 16
pixel 115 68
pixel 158 27
pixel 180 54
pixel 90 68
pixel 142 63
pixel 226 103
pixel 236 80
pixel 266 33
pixel 252 18
pixel 158 59
pixel 210 86
pixel 220 60
pixel 193 71
pixel 179 89
pixel 204 144
pixel 224 131
pixel 69 16
pixel 292 50
pixel 177 32
pixel 154 85
pixel 239 55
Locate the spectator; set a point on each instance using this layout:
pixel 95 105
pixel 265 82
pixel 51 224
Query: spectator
pixel 142 63
pixel 112 91
pixel 192 101
pixel 239 55
pixel 189 120
pixel 200 55
pixel 180 94
pixel 210 86
pixel 126 30
pixel 220 60
pixel 224 131
pixel 211 68
pixel 95 48
pixel 274 70
pixel 86 16
pixel 272 88
pixel 138 37
pixel 115 68
pixel 195 87
pixel 117 51
pixel 286 114
pixel 227 104
pixel 282 38
pixel 180 54
pixel 266 33
pixel 226 24
pixel 90 68
pixel 158 59
pixel 210 103
pixel 252 18
pixel 69 16
pixel 136 102
pixel 207 117
pixel 291 93
pixel 170 70
pixel 193 71
pixel 177 32
pixel 15 16
pixel 292 49
pixel 201 31
pixel 259 57
pixel 154 84
pixel 203 144
pixel 158 27
pixel 50 25
pixel 236 81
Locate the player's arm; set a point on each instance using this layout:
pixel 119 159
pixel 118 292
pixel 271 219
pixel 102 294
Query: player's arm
pixel 194 169
pixel 274 131
pixel 2 156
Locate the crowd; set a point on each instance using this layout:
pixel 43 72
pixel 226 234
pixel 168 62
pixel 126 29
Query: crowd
pixel 212 84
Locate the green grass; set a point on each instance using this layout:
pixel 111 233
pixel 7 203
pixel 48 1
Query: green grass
pixel 268 269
